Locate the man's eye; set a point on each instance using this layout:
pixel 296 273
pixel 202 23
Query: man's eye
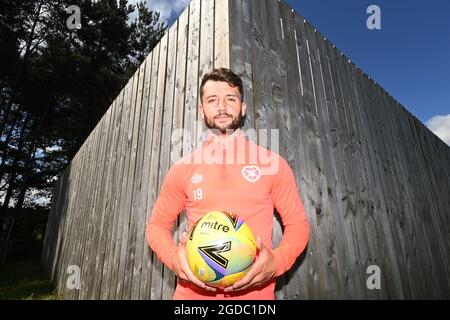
pixel 211 100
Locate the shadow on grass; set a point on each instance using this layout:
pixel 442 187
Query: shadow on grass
pixel 25 280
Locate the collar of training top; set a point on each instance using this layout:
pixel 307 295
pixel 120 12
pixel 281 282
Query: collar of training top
pixel 226 141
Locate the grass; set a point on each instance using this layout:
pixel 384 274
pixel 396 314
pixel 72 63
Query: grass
pixel 25 280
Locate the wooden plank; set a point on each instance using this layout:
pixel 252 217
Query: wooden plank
pixel 109 263
pixel 221 34
pixel 292 92
pixel 72 225
pixel 439 244
pixel 107 198
pixel 307 115
pixel 361 187
pixel 438 172
pixel 390 266
pixel 419 253
pixel 126 191
pixel 77 247
pixel 364 232
pixel 385 258
pixel 336 127
pixel 370 200
pixel 88 218
pixel 105 183
pixel 353 271
pixel 241 53
pixel 70 238
pixel 59 226
pixel 295 277
pixel 55 226
pixel 67 238
pixel 247 73
pixel 192 79
pixel 315 285
pixel 78 216
pixel 399 221
pixel 418 286
pixel 405 217
pixel 337 241
pixel 419 259
pixel 390 192
pixel 49 242
pixel 322 172
pixel 180 86
pixel 142 266
pixel 149 257
pixel 168 281
pixel 280 104
pixel 262 94
pixel 140 190
pixel 179 99
pixel 135 182
pixel 263 111
pixel 206 49
pixel 375 192
pixel 95 215
pixel 157 269
pixel 114 287
pixel 206 55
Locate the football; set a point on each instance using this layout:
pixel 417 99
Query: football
pixel 220 248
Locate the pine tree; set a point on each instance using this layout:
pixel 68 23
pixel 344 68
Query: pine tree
pixel 59 82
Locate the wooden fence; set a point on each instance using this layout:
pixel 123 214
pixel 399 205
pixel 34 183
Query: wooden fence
pixel 375 181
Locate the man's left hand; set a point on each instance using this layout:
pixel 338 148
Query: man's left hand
pixel 262 271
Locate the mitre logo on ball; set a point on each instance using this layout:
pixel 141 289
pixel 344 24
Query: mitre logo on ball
pixel 221 248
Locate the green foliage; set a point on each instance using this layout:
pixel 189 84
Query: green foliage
pixel 58 82
pixel 28 234
pixel 24 280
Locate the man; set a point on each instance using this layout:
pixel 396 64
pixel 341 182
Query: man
pixel 224 174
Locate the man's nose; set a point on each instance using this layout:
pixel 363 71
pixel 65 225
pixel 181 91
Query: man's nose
pixel 222 105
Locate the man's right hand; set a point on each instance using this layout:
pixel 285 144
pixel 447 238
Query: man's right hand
pixel 181 266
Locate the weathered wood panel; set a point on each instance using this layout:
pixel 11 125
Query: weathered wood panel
pixel 143 265
pixel 374 180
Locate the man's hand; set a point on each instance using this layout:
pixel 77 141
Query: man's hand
pixel 262 271
pixel 181 266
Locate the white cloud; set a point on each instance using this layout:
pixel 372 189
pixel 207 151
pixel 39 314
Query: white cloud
pixel 440 125
pixel 167 8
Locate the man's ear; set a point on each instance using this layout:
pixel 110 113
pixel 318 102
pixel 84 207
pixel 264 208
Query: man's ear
pixel 243 108
pixel 200 110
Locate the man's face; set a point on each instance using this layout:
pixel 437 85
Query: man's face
pixel 221 106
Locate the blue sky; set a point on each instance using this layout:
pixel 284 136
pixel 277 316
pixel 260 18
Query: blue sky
pixel 409 56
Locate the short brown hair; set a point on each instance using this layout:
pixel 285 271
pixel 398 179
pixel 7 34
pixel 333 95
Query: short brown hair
pixel 224 75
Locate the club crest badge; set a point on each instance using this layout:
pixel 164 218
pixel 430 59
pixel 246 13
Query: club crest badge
pixel 251 173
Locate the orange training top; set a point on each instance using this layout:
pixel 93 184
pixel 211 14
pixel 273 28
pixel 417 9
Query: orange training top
pixel 236 176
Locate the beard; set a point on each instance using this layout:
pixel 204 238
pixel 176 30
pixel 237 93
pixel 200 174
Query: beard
pixel 236 123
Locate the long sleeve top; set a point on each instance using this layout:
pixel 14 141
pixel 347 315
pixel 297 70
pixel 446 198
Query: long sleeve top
pixel 237 176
